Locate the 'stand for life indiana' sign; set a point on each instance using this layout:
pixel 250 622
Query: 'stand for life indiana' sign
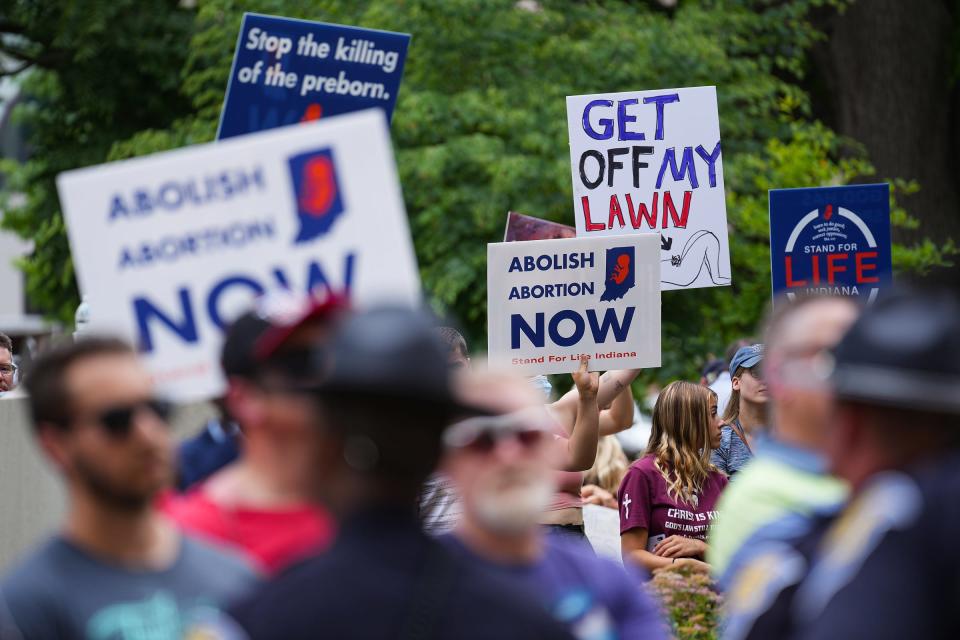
pixel 287 71
pixel 831 240
pixel 650 161
pixel 170 248
pixel 550 301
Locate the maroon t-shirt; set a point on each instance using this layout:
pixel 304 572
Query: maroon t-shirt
pixel 644 503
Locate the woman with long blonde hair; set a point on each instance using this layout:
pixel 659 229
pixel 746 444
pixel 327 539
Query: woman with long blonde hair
pixel 667 499
pixel 600 483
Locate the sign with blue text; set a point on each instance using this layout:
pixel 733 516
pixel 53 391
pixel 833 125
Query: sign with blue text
pixel 549 301
pixel 170 248
pixel 831 240
pixel 650 162
pixel 287 71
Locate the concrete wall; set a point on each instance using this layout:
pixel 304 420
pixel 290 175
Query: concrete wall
pixel 31 499
pixel 31 495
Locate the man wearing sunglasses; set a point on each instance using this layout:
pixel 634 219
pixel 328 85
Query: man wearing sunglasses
pixel 886 563
pixel 118 568
pixel 502 466
pixel 439 504
pixel 259 502
pixel 8 370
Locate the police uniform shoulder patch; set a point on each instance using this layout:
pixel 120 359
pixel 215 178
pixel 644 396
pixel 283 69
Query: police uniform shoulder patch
pixel 773 567
pixel 890 502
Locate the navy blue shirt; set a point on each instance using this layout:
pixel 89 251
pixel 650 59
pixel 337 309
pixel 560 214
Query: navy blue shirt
pixel 206 453
pixel 595 597
pixel 369 583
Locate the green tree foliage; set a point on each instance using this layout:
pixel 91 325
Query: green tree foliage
pixel 480 128
pixel 93 73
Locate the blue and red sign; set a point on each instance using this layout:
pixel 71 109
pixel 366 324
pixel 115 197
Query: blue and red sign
pixel 621 273
pixel 831 240
pixel 287 71
pixel 315 186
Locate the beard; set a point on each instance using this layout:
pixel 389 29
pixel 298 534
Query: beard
pixel 115 495
pixel 512 507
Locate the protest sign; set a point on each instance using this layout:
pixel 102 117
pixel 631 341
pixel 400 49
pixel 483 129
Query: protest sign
pixel 831 240
pixel 549 301
pixel 649 161
pixel 287 71
pixel 521 227
pixel 170 248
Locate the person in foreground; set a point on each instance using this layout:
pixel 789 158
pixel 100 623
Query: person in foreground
pixel 117 569
pixel 668 498
pixel 580 418
pixel 502 468
pixel 258 503
pixel 385 394
pixel 887 564
pixel 788 475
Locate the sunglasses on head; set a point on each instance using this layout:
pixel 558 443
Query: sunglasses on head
pixel 482 435
pixel 117 420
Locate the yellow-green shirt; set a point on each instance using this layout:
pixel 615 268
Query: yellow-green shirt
pixel 781 480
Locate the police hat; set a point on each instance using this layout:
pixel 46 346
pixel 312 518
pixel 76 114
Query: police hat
pixel 390 354
pixel 903 351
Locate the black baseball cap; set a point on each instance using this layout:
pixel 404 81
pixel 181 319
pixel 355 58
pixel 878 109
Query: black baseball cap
pixel 713 368
pixel 903 352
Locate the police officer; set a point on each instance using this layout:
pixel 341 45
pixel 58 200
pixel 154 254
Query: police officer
pixel 887 565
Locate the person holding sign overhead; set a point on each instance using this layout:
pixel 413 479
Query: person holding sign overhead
pixel 668 498
pixel 612 402
pixel 440 506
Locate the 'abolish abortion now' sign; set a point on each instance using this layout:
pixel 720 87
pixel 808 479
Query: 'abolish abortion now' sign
pixel 551 301
pixel 171 247
pixel 647 162
pixel 831 240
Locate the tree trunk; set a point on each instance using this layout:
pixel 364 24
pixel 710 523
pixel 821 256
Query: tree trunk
pixel 887 69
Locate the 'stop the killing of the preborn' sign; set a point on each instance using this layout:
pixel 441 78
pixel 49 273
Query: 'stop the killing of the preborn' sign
pixel 287 71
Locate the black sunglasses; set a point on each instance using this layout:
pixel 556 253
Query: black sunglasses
pixel 756 371
pixel 117 421
pixel 482 434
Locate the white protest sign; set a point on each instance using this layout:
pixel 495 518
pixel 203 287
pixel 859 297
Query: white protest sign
pixel 649 161
pixel 549 301
pixel 170 248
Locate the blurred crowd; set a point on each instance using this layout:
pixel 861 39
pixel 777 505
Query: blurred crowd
pixel 365 478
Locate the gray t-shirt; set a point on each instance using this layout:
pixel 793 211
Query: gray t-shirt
pixel 61 591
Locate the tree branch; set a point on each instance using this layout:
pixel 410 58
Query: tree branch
pixel 8 26
pixel 12 72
